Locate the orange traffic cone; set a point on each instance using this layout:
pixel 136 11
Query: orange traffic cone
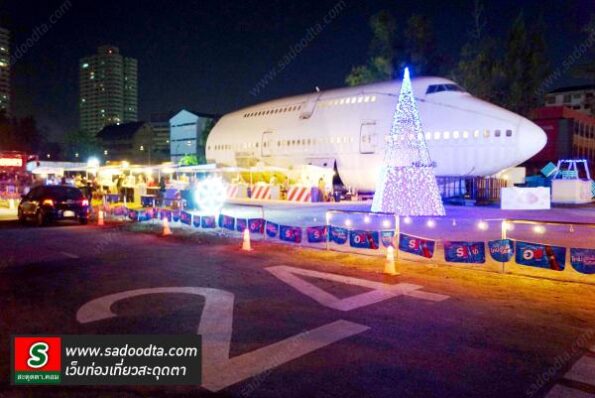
pixel 389 266
pixel 166 229
pixel 100 218
pixel 246 244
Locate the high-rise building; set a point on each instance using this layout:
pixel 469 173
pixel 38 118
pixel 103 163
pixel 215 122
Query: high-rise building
pixel 108 89
pixel 4 71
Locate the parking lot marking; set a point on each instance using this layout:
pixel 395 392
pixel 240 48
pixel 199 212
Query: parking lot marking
pixel 70 255
pixel 215 327
pixel 379 291
pixel 565 392
pixel 583 370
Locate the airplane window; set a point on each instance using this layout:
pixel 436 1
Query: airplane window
pixel 437 135
pixel 465 134
pixel 509 133
pixel 428 136
pixel 486 133
pixel 476 134
pixel 455 134
pixel 497 133
pixel 446 135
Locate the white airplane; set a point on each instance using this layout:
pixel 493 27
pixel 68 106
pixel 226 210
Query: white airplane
pixel 345 128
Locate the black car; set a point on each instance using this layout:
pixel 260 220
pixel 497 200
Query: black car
pixel 48 203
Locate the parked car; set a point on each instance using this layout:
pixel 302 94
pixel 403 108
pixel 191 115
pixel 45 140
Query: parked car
pixel 48 203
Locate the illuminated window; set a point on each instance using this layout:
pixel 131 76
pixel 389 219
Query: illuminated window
pixel 476 134
pixel 497 133
pixel 428 136
pixel 465 134
pixel 436 135
pixel 486 133
pixel 360 100
pixel 373 98
pixel 353 100
pixel 367 98
pixel 455 135
pixel 342 101
pixel 509 133
pixel 446 135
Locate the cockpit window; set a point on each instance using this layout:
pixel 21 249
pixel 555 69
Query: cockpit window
pixel 436 88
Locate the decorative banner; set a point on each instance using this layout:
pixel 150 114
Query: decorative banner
pixel 227 222
pixel 163 213
pixel 338 235
pixel 415 245
pixel 272 229
pixel 241 224
pixel 387 238
pixel 196 221
pixel 186 218
pixel 290 234
pixel 583 260
pixel 256 225
pixel 133 214
pixel 501 250
pixel 176 215
pixel 145 215
pixel 316 234
pixel 542 256
pixel 464 252
pixel 364 239
pixel 208 222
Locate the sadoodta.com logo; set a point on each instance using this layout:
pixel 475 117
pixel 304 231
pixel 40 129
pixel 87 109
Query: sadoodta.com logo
pixel 106 360
pixel 37 360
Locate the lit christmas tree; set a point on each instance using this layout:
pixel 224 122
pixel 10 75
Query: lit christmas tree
pixel 407 185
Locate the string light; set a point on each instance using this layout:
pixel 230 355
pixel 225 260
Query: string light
pixel 407 184
pixel 431 223
pixel 407 220
pixel 385 224
pixel 367 219
pixel 539 229
pixel 482 225
pixel 348 223
pixel 454 222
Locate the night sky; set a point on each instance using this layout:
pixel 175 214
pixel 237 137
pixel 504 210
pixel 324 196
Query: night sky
pixel 208 55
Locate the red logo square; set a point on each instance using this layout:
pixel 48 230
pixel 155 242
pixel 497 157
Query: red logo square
pixel 37 354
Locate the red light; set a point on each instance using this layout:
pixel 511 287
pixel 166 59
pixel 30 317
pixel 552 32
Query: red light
pixel 48 202
pixel 85 202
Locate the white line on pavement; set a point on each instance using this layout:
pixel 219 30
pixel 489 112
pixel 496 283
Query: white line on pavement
pixel 70 255
pixel 565 392
pixel 583 370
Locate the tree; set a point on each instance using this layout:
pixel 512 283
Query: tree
pixel 381 52
pixel 80 143
pixel 479 69
pixel 420 52
pixel 188 160
pixel 526 65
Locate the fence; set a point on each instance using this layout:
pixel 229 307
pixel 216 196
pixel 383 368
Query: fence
pixel 544 249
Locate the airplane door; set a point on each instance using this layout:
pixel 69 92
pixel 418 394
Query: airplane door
pixel 267 144
pixel 368 137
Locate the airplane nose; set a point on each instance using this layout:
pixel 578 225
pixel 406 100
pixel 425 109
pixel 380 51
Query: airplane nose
pixel 532 139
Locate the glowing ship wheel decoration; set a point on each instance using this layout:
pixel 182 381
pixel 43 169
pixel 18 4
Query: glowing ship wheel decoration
pixel 210 195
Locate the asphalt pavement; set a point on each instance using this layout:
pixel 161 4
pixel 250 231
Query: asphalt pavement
pixel 297 323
